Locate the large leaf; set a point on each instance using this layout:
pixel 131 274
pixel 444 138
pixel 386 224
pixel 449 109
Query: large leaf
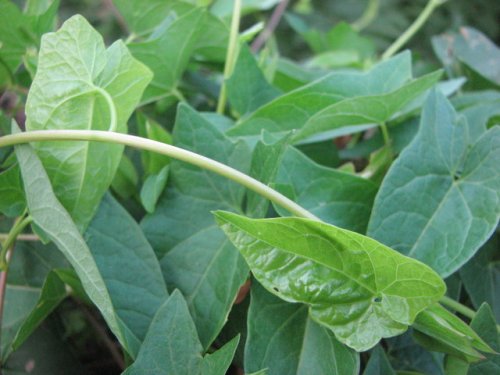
pixel 128 265
pixel 336 197
pixel 337 98
pixel 81 85
pixel 283 339
pixel 176 38
pixel 378 364
pixel 357 287
pixel 172 346
pixel 438 178
pixel 194 254
pixel 49 214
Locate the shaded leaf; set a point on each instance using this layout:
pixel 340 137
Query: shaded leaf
pixel 218 362
pixel 171 345
pixel 194 254
pixel 118 244
pixel 485 325
pixel 125 181
pixel 355 286
pixel 481 277
pixel 339 198
pixel 12 201
pixel 80 85
pixel 153 162
pixel 284 340
pixel 378 364
pixel 438 178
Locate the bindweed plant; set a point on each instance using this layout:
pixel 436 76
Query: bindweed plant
pixel 268 216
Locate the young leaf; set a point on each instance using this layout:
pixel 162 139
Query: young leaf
pixel 439 330
pixel 176 39
pixel 283 339
pixel 357 287
pixel 125 181
pixel 152 189
pixel 336 197
pixel 80 85
pixel 438 177
pixel 217 363
pixel 126 259
pixel 152 162
pixel 247 88
pixel 49 214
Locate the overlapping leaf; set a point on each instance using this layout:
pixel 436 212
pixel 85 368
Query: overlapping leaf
pixel 194 254
pixel 440 178
pixel 81 85
pixel 355 286
pixel 339 100
pixel 283 339
pixel 336 197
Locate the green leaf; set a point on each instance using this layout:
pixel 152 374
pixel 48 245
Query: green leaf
pixel 247 88
pixel 378 364
pixel 336 197
pixel 485 325
pixel 357 287
pixel 218 362
pixel 438 178
pixel 12 201
pixel 125 181
pixel 283 339
pixel 153 162
pixel 471 48
pixel 223 8
pixel 152 189
pixel 176 38
pixel 172 347
pixel 194 254
pixel 266 159
pixel 339 99
pixel 42 15
pixel 128 266
pixel 49 214
pixel 14 39
pixel 80 85
pixel 440 330
pixel 481 277
pixel 52 293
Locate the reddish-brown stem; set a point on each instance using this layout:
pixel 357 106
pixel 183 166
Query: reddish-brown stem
pixel 270 27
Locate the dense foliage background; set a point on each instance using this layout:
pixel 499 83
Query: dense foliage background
pixel 402 158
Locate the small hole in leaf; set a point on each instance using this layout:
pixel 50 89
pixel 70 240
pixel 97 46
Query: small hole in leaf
pixel 377 299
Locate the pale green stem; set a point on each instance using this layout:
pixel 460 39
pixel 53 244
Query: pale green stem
pixel 385 134
pixel 458 307
pixel 232 51
pixel 161 148
pixel 368 15
pixel 412 30
pixel 188 157
pixel 20 237
pixel 16 229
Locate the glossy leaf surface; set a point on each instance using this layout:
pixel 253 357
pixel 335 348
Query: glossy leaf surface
pixel 81 85
pixel 355 286
pixel 455 179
